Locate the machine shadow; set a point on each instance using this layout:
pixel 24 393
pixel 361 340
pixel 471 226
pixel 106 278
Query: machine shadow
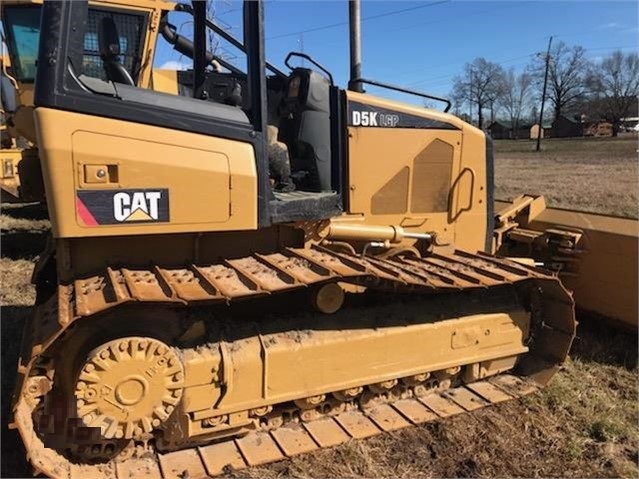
pixel 23 244
pixel 14 461
pixel 28 211
pixel 600 340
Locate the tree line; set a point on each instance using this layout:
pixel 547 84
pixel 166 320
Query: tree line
pixel 576 86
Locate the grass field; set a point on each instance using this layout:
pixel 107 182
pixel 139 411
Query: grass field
pixel 589 174
pixel 584 424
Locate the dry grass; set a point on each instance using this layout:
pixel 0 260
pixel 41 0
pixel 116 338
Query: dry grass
pixel 587 174
pixel 25 218
pixel 583 425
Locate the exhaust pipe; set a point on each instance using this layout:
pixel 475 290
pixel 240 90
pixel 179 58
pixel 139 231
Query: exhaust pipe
pixel 354 29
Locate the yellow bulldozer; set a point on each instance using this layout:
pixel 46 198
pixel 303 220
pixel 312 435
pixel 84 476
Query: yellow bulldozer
pixel 193 315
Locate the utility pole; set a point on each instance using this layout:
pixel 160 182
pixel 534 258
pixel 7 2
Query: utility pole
pixel 470 98
pixel 543 97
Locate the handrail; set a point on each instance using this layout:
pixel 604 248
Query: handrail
pixel 306 57
pixel 451 194
pixel 403 90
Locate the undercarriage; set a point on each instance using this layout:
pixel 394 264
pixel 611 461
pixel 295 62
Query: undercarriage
pixel 159 372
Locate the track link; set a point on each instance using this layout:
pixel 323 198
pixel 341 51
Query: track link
pixel 552 331
pixel 262 447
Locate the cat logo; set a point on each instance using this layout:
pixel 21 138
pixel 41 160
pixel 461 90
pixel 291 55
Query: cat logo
pixel 112 207
pixel 136 206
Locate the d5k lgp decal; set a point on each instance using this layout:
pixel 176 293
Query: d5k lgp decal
pixel 365 115
pixel 110 207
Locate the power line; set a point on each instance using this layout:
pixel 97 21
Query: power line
pixel 372 17
pixel 441 79
pixel 456 17
pixel 610 48
pixel 439 20
pixel 589 32
pixel 396 12
pixel 444 77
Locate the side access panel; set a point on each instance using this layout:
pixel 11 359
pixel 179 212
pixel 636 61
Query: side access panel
pixel 110 177
pixel 421 169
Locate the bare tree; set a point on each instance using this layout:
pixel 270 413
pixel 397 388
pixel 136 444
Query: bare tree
pixel 479 85
pixel 515 96
pixel 567 73
pixel 615 84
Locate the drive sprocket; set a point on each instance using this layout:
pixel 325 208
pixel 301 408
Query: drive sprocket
pixel 129 386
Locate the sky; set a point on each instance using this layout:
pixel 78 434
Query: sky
pixel 423 45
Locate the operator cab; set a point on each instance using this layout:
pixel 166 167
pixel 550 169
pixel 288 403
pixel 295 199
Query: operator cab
pixel 298 109
pixel 97 70
pixel 298 106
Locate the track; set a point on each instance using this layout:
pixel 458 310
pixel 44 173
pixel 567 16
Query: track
pixel 551 332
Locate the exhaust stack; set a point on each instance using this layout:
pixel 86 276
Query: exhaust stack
pixel 355 34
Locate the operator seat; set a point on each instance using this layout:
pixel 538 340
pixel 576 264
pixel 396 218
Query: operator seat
pixel 109 44
pixel 306 122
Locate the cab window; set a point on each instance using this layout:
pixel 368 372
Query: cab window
pixel 22 27
pixel 130 27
